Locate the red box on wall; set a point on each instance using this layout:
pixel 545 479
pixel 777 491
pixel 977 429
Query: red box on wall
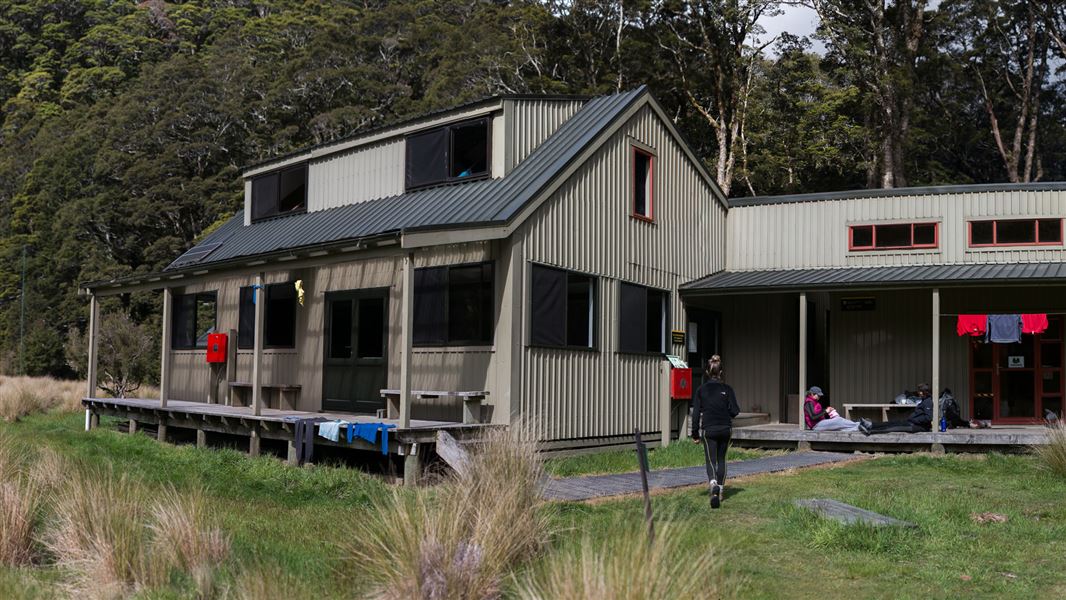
pixel 681 384
pixel 216 347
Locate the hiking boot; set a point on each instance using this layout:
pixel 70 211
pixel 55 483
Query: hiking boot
pixel 865 423
pixel 716 496
pixel 864 428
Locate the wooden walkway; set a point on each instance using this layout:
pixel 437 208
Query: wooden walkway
pixel 788 435
pixel 602 486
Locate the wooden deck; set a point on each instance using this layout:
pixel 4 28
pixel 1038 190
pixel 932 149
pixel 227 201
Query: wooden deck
pixel 273 424
pixel 1017 438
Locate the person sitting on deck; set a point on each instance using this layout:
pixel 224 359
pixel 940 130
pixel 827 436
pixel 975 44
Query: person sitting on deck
pixel 919 420
pixel 819 418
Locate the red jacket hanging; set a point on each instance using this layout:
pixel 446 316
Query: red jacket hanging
pixel 1035 323
pixel 974 325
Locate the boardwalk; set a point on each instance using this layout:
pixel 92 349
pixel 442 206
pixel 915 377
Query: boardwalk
pixel 601 486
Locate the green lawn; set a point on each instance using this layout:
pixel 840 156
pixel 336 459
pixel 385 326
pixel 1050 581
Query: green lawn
pixel 298 519
pixel 678 454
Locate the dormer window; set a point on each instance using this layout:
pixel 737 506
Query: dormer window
pixel 447 154
pixel 279 193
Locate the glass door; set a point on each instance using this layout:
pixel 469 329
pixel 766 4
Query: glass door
pixel 1016 383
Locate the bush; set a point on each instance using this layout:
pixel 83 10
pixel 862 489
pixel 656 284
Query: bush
pixel 1053 454
pixel 628 568
pixel 127 357
pixel 463 542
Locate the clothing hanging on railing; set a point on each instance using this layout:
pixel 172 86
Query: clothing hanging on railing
pixel 975 325
pixel 1034 323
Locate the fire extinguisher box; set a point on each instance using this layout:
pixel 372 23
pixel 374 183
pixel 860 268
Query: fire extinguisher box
pixel 216 347
pixel 681 384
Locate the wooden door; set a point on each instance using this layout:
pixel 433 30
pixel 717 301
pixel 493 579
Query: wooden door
pixel 356 346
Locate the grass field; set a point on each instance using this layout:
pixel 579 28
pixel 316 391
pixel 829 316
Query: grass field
pixel 289 526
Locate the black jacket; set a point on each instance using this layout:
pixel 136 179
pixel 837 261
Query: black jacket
pixel 923 413
pixel 713 406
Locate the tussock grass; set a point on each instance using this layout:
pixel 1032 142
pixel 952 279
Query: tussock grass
pixel 265 583
pixel 628 568
pixel 24 396
pixel 20 505
pixel 466 539
pixel 1053 454
pixel 184 539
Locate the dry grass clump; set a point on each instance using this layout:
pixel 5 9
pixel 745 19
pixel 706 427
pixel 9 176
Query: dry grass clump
pixel 20 506
pixel 1053 454
pixel 183 539
pixel 23 396
pixel 463 542
pixel 265 583
pixel 628 568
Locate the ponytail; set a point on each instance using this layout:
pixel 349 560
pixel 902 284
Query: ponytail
pixel 714 367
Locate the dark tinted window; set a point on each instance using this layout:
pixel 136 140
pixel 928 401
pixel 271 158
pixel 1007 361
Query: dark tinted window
pixel 192 319
pixel 280 327
pixel 371 328
pixel 563 308
pixel 862 236
pixel 893 236
pixel 642 176
pixel 981 232
pixel 449 153
pixel 1015 232
pixel 340 329
pixel 1050 230
pixel 246 318
pixel 279 193
pixel 454 305
pixel 925 234
pixel 644 318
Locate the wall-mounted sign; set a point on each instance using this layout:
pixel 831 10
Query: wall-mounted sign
pixel 677 337
pixel 864 303
pixel 1016 362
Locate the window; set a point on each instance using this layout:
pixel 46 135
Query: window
pixel 563 308
pixel 454 305
pixel 644 314
pixel 1016 232
pixel 279 193
pixel 446 154
pixel 893 236
pixel 643 184
pixel 279 318
pixel 192 318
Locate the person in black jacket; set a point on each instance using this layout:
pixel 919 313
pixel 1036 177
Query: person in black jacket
pixel 713 407
pixel 921 419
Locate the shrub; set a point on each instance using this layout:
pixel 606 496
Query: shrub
pixel 464 541
pixel 127 354
pixel 1053 454
pixel 628 568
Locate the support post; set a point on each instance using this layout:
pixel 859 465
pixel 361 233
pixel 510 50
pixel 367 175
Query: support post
pixel 201 438
pixel 161 430
pixel 406 341
pixel 936 361
pixel 412 466
pixel 257 356
pixel 665 404
pixel 164 367
pixel 133 426
pixel 253 442
pixel 802 354
pixel 231 365
pixel 94 326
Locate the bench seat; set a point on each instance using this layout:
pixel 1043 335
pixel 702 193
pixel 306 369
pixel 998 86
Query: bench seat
pixel 472 401
pixel 884 408
pixel 288 393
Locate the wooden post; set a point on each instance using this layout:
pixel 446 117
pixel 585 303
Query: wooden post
pixel 94 326
pixel 412 465
pixel 406 339
pixel 257 356
pixel 935 392
pixel 802 354
pixel 642 460
pixel 161 430
pixel 253 442
pixel 201 438
pixel 133 426
pixel 164 368
pixel 231 365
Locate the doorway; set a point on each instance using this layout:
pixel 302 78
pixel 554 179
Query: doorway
pixel 356 340
pixel 1016 383
pixel 702 341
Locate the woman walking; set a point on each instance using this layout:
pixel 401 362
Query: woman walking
pixel 713 409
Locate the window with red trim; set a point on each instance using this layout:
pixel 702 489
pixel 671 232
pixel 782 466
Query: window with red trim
pixel 1016 232
pixel 894 236
pixel 643 185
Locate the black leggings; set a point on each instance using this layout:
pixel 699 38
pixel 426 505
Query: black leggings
pixel 896 427
pixel 715 444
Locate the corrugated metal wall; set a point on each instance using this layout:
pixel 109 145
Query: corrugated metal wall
pixel 530 122
pixel 815 234
pixel 586 226
pixel 433 368
pixel 366 173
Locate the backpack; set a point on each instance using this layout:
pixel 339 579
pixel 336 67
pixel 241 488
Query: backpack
pixel 949 408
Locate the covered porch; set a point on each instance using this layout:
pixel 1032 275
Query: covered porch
pixel 866 334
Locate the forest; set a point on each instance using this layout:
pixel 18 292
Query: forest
pixel 124 125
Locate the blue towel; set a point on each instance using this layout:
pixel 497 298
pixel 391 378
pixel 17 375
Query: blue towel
pixel 1004 329
pixel 331 430
pixel 369 432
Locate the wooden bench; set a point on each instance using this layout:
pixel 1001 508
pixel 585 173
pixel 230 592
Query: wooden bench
pixel 471 402
pixel 884 408
pixel 288 393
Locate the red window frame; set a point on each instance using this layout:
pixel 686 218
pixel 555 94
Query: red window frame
pixel 995 243
pixel 650 195
pixel 852 247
